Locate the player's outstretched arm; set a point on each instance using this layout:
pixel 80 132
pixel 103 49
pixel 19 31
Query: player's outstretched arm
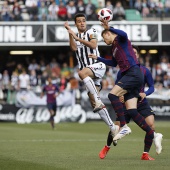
pixel 108 62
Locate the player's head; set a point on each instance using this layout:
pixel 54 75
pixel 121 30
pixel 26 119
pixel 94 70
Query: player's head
pixel 80 22
pixel 49 79
pixel 108 36
pixel 136 51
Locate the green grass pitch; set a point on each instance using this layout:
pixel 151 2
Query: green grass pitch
pixel 73 146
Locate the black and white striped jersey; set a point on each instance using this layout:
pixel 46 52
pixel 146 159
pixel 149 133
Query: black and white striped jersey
pixel 83 51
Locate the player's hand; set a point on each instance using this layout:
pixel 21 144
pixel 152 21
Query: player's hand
pixel 121 98
pixel 66 25
pixel 142 95
pixel 73 34
pixel 92 56
pixel 105 24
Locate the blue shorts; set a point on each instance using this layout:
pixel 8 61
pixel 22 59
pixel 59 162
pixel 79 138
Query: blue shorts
pixel 52 106
pixel 143 109
pixel 132 81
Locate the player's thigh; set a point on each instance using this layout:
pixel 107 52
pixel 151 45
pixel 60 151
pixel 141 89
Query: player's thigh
pixel 118 91
pixel 86 72
pixel 131 103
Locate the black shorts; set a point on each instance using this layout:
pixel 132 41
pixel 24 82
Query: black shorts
pixel 52 106
pixel 131 81
pixel 143 109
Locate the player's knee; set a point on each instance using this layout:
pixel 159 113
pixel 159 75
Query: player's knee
pixel 152 126
pixel 82 74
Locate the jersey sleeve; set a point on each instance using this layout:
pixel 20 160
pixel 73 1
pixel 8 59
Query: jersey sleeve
pixel 93 34
pixel 119 76
pixel 112 62
pixel 149 82
pixel 120 33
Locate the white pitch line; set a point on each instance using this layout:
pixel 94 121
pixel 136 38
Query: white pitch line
pixel 67 140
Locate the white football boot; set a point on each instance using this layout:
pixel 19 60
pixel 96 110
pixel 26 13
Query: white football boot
pixel 125 130
pixel 158 142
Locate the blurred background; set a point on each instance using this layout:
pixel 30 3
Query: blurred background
pixel 34 42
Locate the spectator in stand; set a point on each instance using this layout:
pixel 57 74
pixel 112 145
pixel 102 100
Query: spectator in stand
pixel 166 81
pixel 80 6
pixel 32 8
pixel 167 7
pixel 14 81
pixel 24 81
pixel 164 64
pixel 62 12
pixel 19 69
pixel 90 11
pixel 5 83
pixel 100 6
pixel 16 12
pixel 56 68
pixel 5 12
pixel 152 7
pixel 53 11
pixel 131 3
pixel 66 71
pixel 71 10
pixel 42 12
pixel 38 70
pixel 63 83
pixel 33 65
pixel 44 78
pixel 138 5
pixel 118 12
pixel 48 69
pixel 33 79
pixel 145 9
pixel 59 1
pixel 42 65
pixel 160 8
pixel 109 5
pixel 53 63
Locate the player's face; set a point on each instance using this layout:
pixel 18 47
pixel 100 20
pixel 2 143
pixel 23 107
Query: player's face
pixel 136 53
pixel 107 38
pixel 81 24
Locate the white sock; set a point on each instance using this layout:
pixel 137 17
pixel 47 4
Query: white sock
pixel 106 118
pixel 92 88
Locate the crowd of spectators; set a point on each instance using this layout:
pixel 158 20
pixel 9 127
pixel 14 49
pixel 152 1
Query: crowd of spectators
pixel 32 74
pixel 62 10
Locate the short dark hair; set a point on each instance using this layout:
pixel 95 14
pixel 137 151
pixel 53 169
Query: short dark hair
pixel 136 47
pixel 105 31
pixel 79 15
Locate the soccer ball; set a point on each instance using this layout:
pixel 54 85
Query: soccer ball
pixel 105 14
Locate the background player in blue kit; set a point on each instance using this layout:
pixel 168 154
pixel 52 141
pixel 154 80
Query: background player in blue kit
pixel 51 91
pixel 130 83
pixel 143 108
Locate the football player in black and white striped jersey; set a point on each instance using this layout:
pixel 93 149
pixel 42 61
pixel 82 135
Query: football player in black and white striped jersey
pixel 91 71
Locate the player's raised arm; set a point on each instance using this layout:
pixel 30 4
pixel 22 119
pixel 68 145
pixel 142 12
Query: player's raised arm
pixel 71 38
